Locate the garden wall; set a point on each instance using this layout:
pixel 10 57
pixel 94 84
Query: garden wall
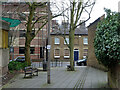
pixel 114 77
pixel 92 60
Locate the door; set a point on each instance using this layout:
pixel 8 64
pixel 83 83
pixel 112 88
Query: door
pixel 76 54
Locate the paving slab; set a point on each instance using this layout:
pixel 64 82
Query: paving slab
pixel 82 77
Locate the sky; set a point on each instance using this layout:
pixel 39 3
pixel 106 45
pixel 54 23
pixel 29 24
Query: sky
pixel 98 9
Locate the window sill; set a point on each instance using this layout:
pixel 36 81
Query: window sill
pixel 56 56
pixel 57 43
pixel 66 44
pixel 66 56
pixel 85 44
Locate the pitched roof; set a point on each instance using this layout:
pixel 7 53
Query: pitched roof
pixel 97 20
pixel 82 30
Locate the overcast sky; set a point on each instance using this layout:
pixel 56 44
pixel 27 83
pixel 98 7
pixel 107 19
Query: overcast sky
pixel 98 9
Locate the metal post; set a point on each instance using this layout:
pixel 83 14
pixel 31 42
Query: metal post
pixel 48 64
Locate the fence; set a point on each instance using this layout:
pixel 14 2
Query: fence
pixel 55 63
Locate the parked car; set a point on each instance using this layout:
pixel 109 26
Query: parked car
pixel 10 60
pixel 20 59
pixel 82 62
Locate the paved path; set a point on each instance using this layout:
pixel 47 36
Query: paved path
pixel 83 77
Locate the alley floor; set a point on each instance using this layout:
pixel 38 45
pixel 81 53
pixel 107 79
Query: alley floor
pixel 82 77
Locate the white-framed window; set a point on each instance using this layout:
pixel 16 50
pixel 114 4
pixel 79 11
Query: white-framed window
pixel 57 40
pixel 85 52
pixel 85 49
pixel 66 53
pixel 67 39
pixel 85 40
pixel 57 53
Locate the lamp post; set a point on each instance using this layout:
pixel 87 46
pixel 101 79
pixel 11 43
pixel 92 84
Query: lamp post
pixel 48 46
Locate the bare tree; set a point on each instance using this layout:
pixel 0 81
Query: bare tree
pixel 43 20
pixel 77 8
pixel 72 12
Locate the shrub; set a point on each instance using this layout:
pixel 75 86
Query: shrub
pixel 14 65
pixel 107 40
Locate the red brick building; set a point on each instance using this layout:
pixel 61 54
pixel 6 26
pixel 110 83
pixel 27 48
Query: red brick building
pixel 20 11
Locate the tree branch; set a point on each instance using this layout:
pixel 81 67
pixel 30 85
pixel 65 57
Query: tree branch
pixel 63 35
pixel 39 30
pixel 89 13
pixel 77 16
pixel 39 18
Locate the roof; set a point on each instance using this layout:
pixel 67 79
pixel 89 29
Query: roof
pixel 82 30
pixel 97 20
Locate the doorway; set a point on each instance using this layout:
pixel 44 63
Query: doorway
pixel 76 54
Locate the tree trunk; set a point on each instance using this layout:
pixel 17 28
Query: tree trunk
pixel 28 37
pixel 27 51
pixel 71 43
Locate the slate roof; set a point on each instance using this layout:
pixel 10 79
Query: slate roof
pixel 82 30
pixel 97 20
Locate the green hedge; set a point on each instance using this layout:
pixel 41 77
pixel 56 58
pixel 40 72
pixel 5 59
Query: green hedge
pixel 14 65
pixel 107 39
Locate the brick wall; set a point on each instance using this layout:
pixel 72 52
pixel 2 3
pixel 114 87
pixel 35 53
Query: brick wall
pixel 114 77
pixel 92 60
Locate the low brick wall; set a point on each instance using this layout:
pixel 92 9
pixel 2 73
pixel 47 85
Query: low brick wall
pixel 114 77
pixel 93 62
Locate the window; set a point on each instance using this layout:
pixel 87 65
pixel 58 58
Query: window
pixel 32 50
pixel 33 32
pixel 85 50
pixel 85 40
pixel 22 16
pixel 67 39
pixel 85 53
pixel 22 33
pixel 66 53
pixel 57 40
pixel 76 41
pixel 33 18
pixel 22 50
pixel 56 53
pixel 11 49
pixel 10 15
